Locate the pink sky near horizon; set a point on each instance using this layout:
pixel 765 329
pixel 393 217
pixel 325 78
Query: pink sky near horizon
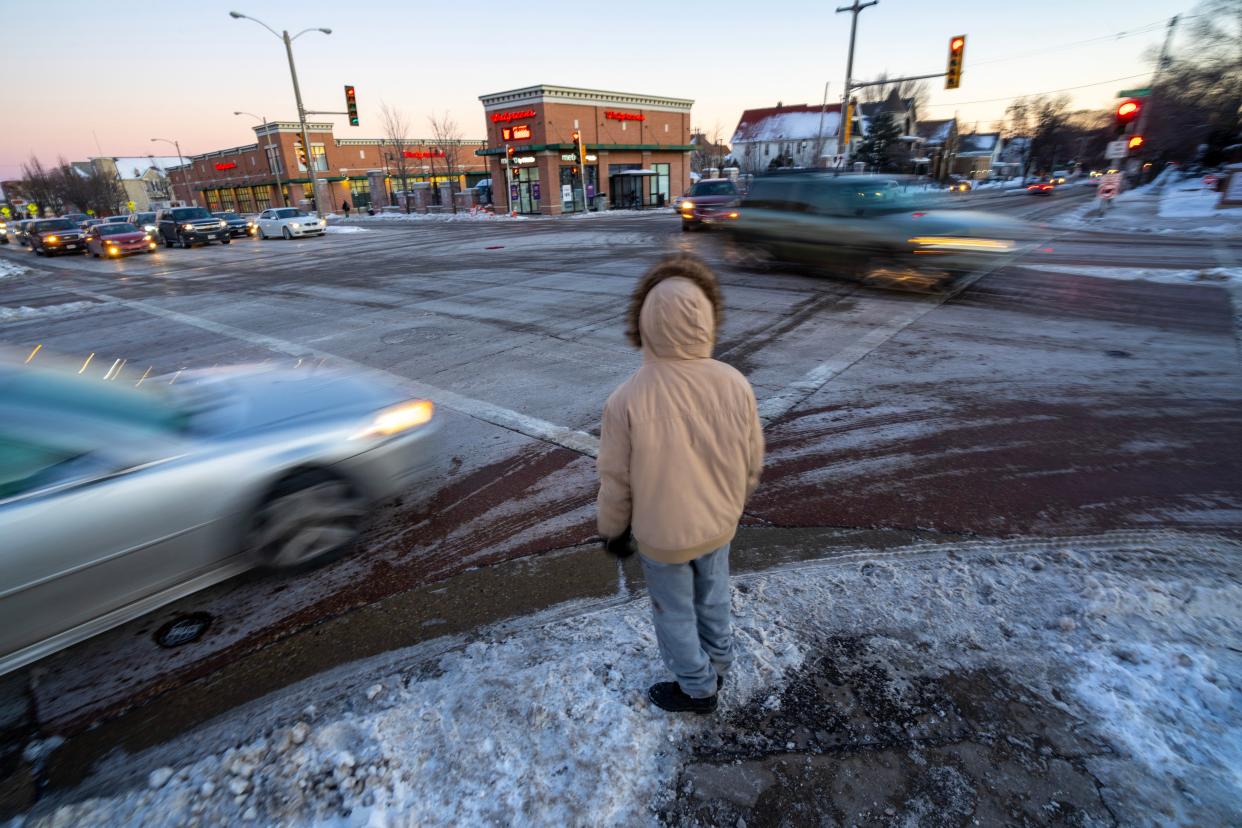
pixel 108 95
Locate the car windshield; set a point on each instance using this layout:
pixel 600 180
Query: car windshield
pixel 116 219
pixel 146 218
pixel 713 188
pixel 290 212
pixel 116 229
pixel 229 216
pixel 53 224
pixel 187 213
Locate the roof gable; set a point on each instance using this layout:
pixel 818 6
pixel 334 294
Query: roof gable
pixel 796 122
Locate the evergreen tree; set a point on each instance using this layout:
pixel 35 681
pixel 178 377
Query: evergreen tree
pixel 883 135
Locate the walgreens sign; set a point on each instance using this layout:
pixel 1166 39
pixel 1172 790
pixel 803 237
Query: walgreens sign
pixel 624 116
pixel 506 117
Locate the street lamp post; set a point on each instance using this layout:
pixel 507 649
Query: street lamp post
pixel 297 94
pixel 272 157
pixel 180 158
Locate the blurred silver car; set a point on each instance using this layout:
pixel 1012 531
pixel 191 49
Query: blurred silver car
pixel 117 498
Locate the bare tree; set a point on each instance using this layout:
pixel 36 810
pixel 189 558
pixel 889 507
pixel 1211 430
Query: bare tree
pixel 918 91
pixel 39 184
pixel 710 150
pixel 446 143
pixel 396 128
pixel 91 189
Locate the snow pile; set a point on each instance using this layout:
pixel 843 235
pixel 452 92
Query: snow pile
pixel 23 312
pixel 10 268
pixel 464 215
pixel 1194 201
pixel 544 721
pixel 336 228
pixel 1168 276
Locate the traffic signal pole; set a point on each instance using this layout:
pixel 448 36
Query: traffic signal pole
pixel 853 9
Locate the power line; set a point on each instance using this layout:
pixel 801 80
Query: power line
pixel 1045 92
pixel 1150 27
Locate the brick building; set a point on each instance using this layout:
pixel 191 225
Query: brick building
pixel 363 171
pixel 638 148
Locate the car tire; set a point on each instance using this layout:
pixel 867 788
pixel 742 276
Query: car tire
pixel 185 244
pixel 167 243
pixel 307 519
pixel 226 241
pixel 284 231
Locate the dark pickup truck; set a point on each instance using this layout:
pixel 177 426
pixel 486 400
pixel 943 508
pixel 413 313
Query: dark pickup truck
pixel 188 226
pixel 49 237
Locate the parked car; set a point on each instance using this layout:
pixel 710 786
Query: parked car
pixel 49 237
pixel 875 228
pixel 145 221
pixel 4 231
pixel 116 240
pixel 117 498
pixel 188 226
pixel 289 222
pixel 709 201
pixel 238 224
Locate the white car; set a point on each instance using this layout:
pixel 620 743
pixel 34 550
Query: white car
pixel 289 222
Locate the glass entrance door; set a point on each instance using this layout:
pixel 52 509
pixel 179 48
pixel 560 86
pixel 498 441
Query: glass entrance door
pixel 526 179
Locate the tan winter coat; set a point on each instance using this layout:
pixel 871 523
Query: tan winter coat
pixel 681 447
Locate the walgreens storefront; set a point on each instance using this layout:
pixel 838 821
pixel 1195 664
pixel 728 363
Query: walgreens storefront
pixel 636 149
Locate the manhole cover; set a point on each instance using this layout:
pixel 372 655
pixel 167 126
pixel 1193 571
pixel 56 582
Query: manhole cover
pixel 183 630
pixel 1118 354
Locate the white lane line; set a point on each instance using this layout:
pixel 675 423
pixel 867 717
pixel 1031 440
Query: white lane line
pixel 563 436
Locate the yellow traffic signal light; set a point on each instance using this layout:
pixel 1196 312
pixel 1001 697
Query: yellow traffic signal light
pixel 1135 142
pixel 957 51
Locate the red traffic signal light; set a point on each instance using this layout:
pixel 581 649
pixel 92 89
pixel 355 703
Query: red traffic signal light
pixel 957 51
pixel 1128 110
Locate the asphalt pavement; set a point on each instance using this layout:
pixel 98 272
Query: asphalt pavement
pixel 1031 401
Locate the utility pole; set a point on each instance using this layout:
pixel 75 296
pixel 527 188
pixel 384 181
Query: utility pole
pixel 819 140
pixel 273 157
pixel 849 73
pixel 1155 78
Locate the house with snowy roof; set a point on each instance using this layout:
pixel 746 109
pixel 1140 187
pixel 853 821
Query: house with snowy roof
pixel 144 178
pixel 978 154
pixel 1013 156
pixel 905 156
pixel 798 135
pixel 938 144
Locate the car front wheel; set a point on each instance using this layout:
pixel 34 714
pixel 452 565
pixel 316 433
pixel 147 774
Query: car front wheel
pixel 285 232
pixel 226 240
pixel 307 518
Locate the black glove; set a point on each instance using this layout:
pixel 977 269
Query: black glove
pixel 622 546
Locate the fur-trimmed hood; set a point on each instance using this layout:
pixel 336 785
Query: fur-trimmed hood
pixel 676 310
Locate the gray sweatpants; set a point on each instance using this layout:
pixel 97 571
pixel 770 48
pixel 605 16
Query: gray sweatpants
pixel 690 605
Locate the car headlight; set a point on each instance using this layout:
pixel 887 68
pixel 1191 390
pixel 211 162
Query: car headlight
pixel 294 224
pixel 150 228
pixel 51 239
pixel 398 418
pixel 223 224
pixel 187 227
pixel 250 224
pixel 687 205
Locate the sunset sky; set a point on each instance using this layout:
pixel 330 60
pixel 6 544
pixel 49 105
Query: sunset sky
pixel 102 79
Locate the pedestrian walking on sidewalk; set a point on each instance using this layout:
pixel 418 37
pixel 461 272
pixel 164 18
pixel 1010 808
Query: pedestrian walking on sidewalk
pixel 681 450
pixel 345 207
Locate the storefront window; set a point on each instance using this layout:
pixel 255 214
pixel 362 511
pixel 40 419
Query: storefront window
pixel 660 184
pixel 273 160
pixel 245 200
pixel 262 198
pixel 571 179
pixel 359 193
pixel 227 202
pixel 318 157
pixel 213 199
pixel 529 190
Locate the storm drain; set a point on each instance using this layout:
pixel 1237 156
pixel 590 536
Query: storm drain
pixel 185 629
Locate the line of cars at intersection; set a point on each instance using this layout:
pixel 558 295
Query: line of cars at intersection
pixel 185 227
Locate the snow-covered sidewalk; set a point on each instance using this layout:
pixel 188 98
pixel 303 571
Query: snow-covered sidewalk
pixel 1163 207
pixel 1132 638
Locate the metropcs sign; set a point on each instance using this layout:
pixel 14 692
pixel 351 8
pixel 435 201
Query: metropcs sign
pixel 506 117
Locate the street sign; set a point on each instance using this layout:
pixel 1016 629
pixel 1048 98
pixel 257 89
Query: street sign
pixel 1135 93
pixel 5 211
pixel 1116 149
pixel 131 204
pixel 33 209
pixel 1107 192
pixel 1110 186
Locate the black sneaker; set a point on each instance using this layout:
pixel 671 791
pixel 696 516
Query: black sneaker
pixel 667 695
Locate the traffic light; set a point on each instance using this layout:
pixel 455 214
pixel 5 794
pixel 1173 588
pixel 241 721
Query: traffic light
pixel 579 147
pixel 957 50
pixel 351 105
pixel 301 153
pixel 1135 142
pixel 509 154
pixel 1127 111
